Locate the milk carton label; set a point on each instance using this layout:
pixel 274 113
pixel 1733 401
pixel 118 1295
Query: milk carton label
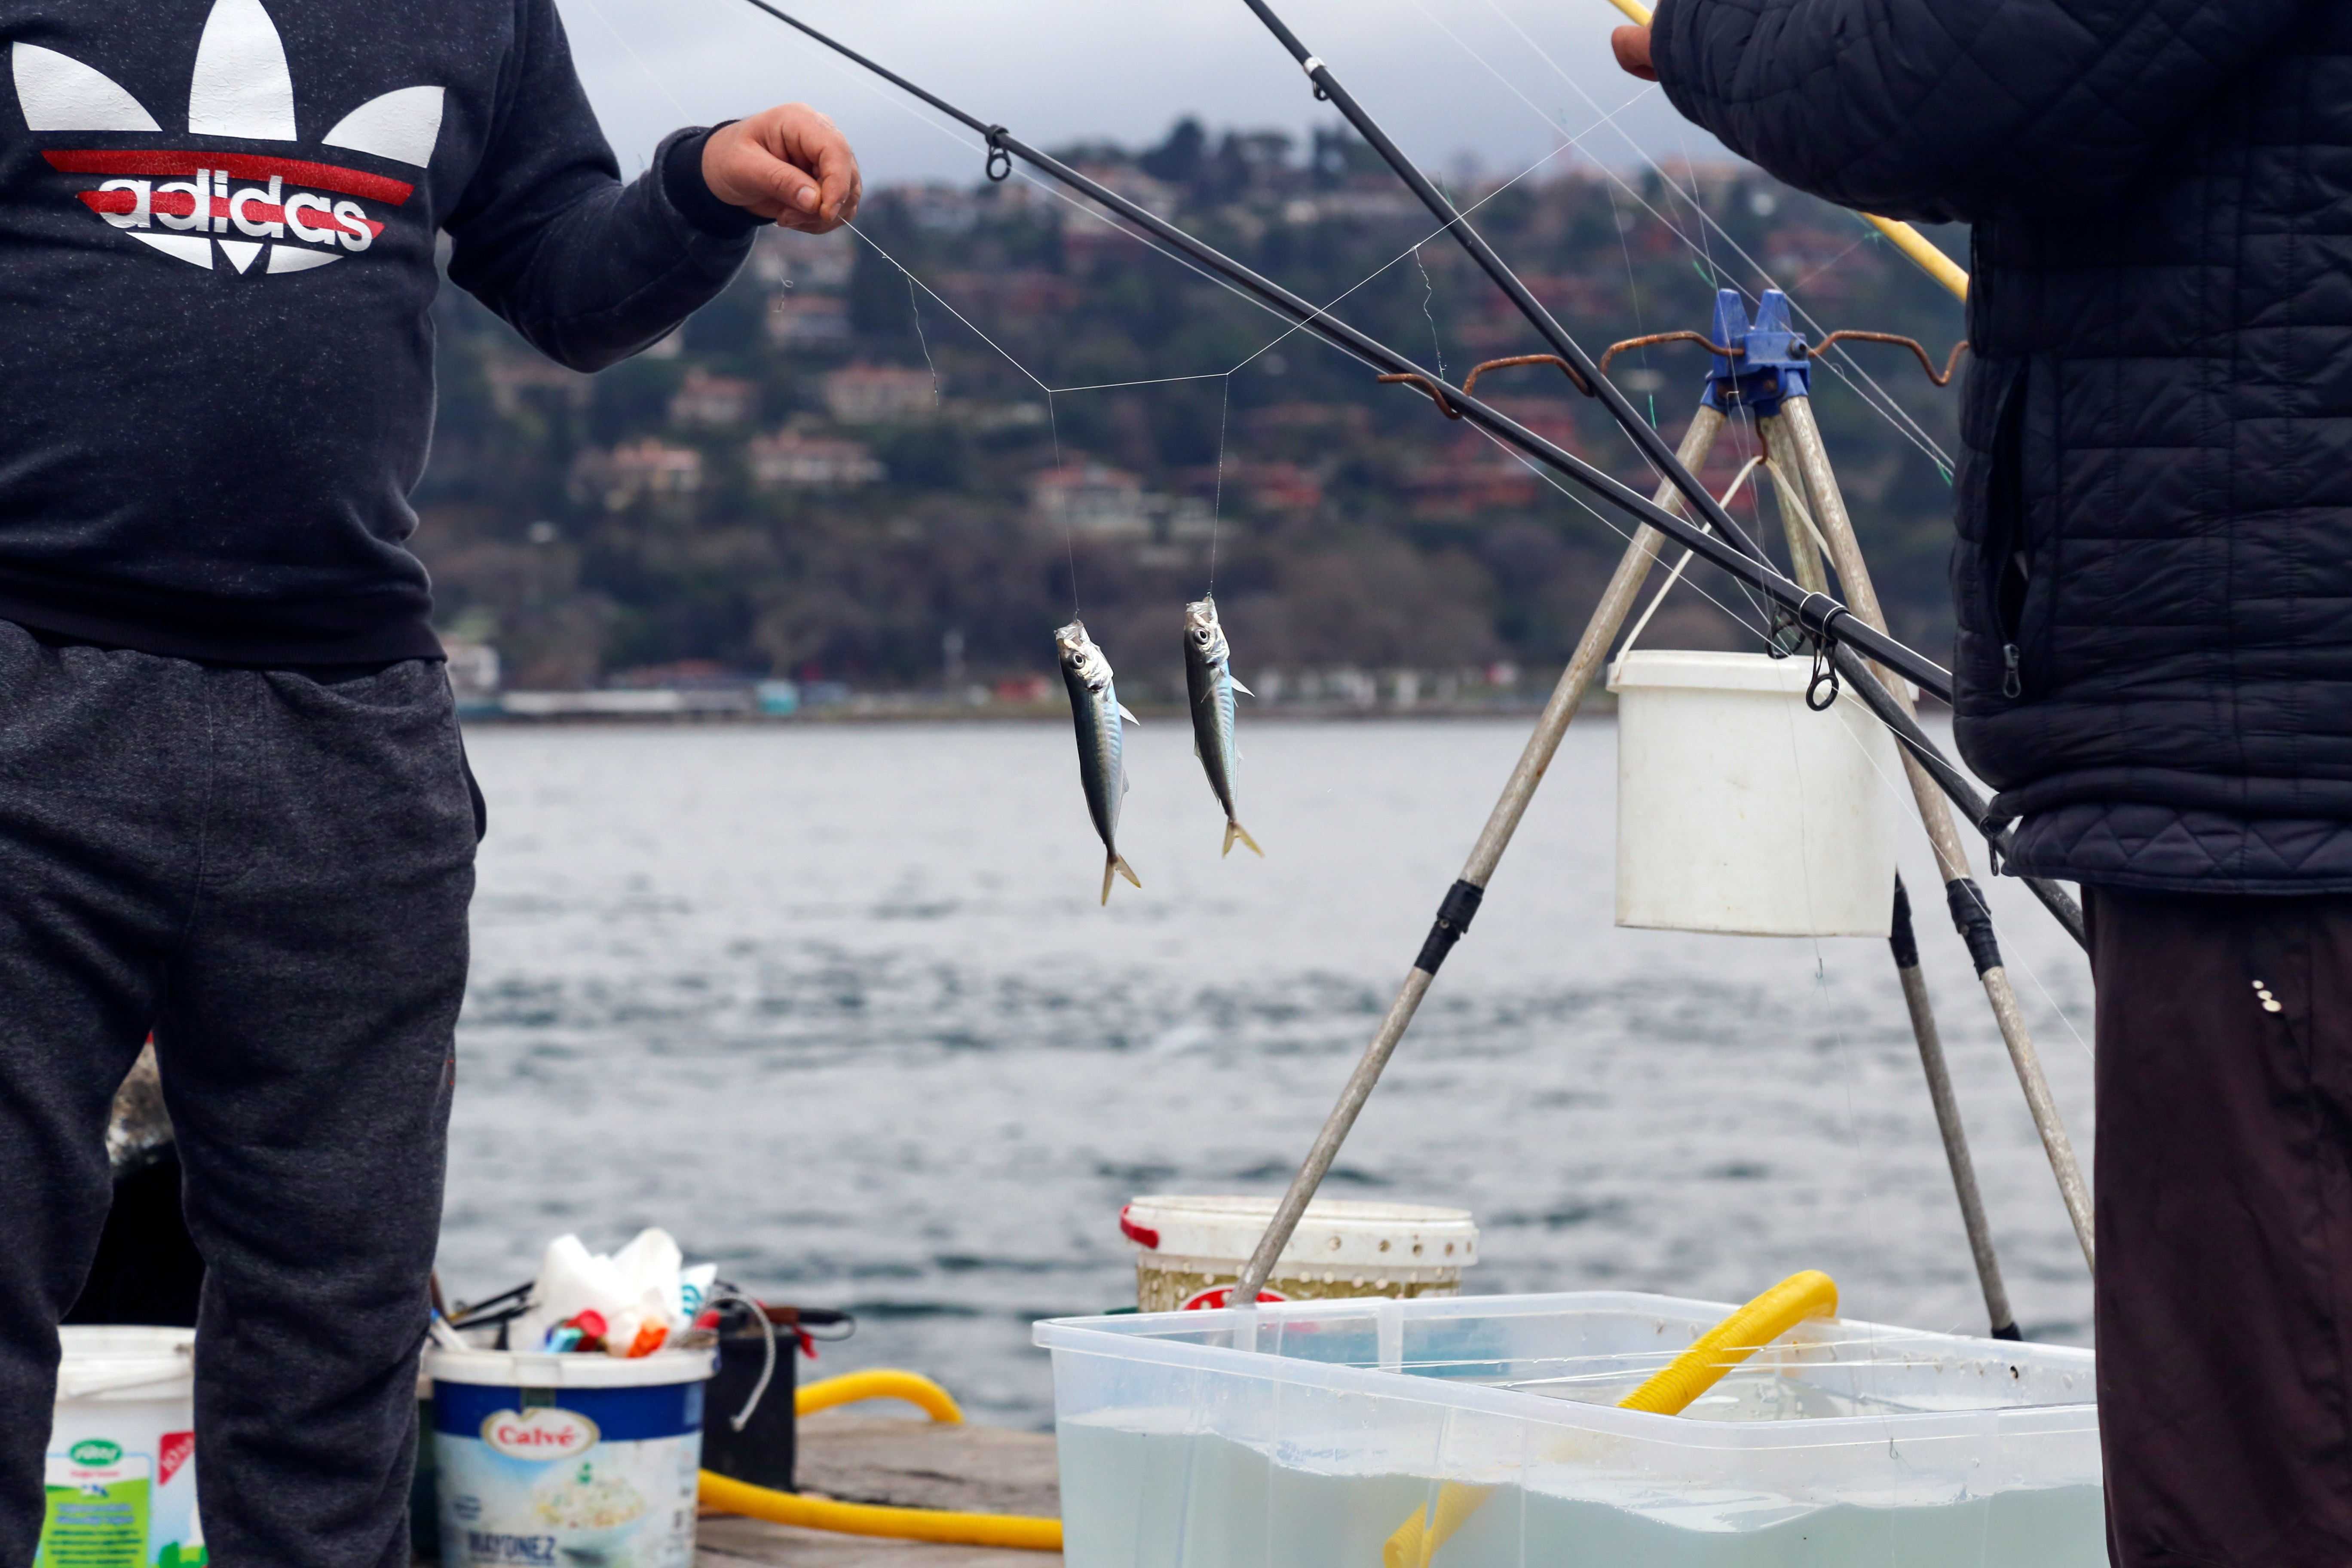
pixel 96 1515
pixel 605 1479
pixel 120 1499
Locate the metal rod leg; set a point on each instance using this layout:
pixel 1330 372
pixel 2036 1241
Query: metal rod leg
pixel 1797 429
pixel 1461 899
pixel 1948 1118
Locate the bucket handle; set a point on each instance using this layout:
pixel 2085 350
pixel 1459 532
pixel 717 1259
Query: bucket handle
pixel 71 1387
pixel 1676 576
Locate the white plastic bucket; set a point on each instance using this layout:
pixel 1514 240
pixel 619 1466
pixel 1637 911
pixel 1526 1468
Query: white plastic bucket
pixel 586 1461
pixel 1740 809
pixel 1191 1250
pixel 121 1465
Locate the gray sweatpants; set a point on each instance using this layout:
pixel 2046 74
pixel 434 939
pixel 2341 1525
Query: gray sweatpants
pixel 270 870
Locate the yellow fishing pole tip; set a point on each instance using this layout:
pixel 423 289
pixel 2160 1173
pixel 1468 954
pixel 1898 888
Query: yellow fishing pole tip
pixel 1635 11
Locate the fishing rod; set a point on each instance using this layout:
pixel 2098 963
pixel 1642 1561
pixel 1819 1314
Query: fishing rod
pixel 1901 235
pixel 1819 615
pixel 1591 380
pixel 1782 391
pixel 1839 637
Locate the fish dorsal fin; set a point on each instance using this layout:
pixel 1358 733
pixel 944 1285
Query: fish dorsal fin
pixel 1127 716
pixel 1239 686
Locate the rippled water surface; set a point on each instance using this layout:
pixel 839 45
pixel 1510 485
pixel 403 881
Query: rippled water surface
pixel 837 1005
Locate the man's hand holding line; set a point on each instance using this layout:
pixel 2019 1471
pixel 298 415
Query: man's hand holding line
pixel 790 164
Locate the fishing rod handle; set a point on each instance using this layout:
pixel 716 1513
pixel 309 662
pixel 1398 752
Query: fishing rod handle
pixel 1326 1148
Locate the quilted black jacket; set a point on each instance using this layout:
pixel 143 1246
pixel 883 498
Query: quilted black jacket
pixel 2153 577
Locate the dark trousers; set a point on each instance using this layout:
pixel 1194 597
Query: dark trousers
pixel 2224 1184
pixel 269 871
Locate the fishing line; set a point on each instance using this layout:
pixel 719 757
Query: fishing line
pixel 1884 402
pixel 1217 506
pixel 1428 293
pixel 2010 958
pixel 915 305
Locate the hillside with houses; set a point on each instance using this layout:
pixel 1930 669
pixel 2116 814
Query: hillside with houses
pixel 850 479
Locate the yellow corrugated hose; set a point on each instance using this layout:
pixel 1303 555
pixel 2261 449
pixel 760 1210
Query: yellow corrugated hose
pixel 726 1494
pixel 879 1383
pixel 1669 1391
pixel 1905 238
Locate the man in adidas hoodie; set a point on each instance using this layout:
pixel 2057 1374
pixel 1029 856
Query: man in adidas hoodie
pixel 234 807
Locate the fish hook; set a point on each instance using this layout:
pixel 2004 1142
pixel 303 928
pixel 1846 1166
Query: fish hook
pixel 1000 162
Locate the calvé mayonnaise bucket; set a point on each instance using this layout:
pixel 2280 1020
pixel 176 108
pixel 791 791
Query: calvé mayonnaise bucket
pixel 567 1459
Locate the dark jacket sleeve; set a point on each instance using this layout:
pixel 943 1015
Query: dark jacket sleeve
pixel 589 269
pixel 1957 109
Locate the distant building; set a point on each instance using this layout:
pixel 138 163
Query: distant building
pixel 704 399
pixel 880 395
pixel 799 321
pixel 472 668
pixel 1027 293
pixel 634 469
pixel 780 256
pixel 1093 500
pixel 514 377
pixel 1470 476
pixel 941 209
pixel 794 459
pixel 1280 487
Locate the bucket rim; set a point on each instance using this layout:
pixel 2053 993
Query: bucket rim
pixel 566 1369
pixel 1699 669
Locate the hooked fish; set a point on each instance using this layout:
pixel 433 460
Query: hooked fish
pixel 1102 770
pixel 1209 678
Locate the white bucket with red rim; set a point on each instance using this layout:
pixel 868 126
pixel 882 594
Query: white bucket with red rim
pixel 1190 1250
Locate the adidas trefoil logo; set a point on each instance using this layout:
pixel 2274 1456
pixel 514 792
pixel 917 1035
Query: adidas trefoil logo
pixel 184 202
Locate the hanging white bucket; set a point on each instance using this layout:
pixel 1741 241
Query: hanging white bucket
pixel 1740 809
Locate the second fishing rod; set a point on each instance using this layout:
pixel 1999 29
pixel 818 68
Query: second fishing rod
pixel 1822 618
pixel 1779 393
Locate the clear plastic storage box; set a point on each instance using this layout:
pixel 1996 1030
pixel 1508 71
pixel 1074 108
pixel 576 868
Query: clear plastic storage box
pixel 1308 1434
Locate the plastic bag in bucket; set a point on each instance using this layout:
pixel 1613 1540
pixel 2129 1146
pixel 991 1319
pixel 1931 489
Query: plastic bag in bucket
pixel 120 1472
pixel 567 1459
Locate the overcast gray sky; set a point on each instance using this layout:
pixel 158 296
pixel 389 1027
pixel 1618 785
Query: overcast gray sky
pixel 1450 78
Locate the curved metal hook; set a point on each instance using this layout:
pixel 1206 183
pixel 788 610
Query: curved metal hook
pixel 1436 390
pixel 1732 351
pixel 1471 382
pixel 1850 336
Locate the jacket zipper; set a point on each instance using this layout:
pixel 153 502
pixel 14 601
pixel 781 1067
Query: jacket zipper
pixel 2012 686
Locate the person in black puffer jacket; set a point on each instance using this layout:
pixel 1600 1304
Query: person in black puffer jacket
pixel 2153 582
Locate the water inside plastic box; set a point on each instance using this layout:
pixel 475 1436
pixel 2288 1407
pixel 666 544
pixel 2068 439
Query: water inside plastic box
pixel 1843 1443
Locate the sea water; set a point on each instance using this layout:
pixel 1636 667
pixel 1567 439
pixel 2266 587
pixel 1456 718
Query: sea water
pixel 1138 1498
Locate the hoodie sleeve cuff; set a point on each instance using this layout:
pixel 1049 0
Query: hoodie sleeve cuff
pixel 683 183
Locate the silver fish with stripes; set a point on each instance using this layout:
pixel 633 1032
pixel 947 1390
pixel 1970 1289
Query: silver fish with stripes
pixel 1102 765
pixel 1209 680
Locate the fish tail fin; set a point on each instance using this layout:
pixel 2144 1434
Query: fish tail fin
pixel 1234 830
pixel 1115 865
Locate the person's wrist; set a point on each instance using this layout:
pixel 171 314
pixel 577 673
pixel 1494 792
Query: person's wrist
pixel 689 191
